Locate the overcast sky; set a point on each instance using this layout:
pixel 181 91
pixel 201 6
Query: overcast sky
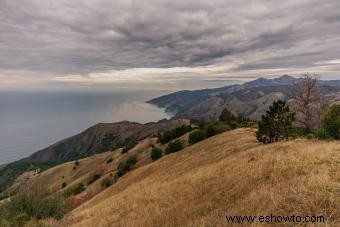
pixel 159 44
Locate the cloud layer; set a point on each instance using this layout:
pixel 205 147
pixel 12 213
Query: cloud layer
pixel 156 41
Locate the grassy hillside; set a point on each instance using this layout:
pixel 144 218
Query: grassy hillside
pixel 97 139
pixel 229 174
pixel 103 165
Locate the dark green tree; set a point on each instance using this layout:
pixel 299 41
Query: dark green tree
pixel 229 118
pixel 331 121
pixel 276 123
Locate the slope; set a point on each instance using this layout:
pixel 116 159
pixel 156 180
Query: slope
pixel 99 138
pixel 229 174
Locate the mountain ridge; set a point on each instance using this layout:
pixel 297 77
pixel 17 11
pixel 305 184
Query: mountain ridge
pixel 188 104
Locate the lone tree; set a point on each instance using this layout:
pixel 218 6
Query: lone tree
pixel 227 116
pixel 308 102
pixel 276 123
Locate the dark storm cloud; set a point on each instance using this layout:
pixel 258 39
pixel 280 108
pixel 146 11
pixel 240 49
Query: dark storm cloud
pixel 81 37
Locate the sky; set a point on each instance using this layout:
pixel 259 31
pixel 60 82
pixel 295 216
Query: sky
pixel 159 44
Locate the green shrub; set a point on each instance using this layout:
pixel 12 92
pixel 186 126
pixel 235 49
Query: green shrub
pixel 197 136
pixel 175 146
pixel 106 182
pixel 217 128
pixel 156 153
pixel 79 189
pixel 331 122
pixel 167 136
pixel 94 178
pixel 63 185
pixel 75 190
pixel 276 123
pixel 109 160
pixel 126 166
pixel 129 144
pixel 322 134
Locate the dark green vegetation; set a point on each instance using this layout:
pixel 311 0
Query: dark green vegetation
pixel 330 124
pixel 79 188
pixel 276 124
pixel 129 144
pixel 174 146
pixel 106 182
pixel 227 122
pixel 32 203
pixel 156 153
pixel 167 136
pixel 227 116
pixel 126 165
pixel 94 178
pixel 197 136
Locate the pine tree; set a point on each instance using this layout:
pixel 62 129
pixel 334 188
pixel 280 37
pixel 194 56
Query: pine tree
pixel 276 123
pixel 227 116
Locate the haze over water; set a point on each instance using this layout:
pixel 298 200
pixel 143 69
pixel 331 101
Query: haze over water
pixel 30 121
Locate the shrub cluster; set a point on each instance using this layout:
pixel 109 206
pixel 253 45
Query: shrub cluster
pixel 330 124
pixel 174 146
pixel 94 178
pixel 106 182
pixel 207 130
pixel 197 136
pixel 129 144
pixel 126 166
pixel 167 136
pixel 156 153
pixel 75 190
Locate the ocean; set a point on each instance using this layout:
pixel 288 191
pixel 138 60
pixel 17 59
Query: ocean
pixel 30 121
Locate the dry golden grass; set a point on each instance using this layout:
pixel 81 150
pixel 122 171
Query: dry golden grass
pixel 97 164
pixel 229 174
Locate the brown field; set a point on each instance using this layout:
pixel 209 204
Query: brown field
pixel 229 174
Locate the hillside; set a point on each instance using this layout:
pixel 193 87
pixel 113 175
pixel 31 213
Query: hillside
pixel 97 139
pixel 102 137
pixel 250 99
pixel 228 174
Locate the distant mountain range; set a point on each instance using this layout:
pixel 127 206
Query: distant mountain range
pixel 250 99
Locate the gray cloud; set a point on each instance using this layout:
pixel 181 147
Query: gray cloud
pixel 81 37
